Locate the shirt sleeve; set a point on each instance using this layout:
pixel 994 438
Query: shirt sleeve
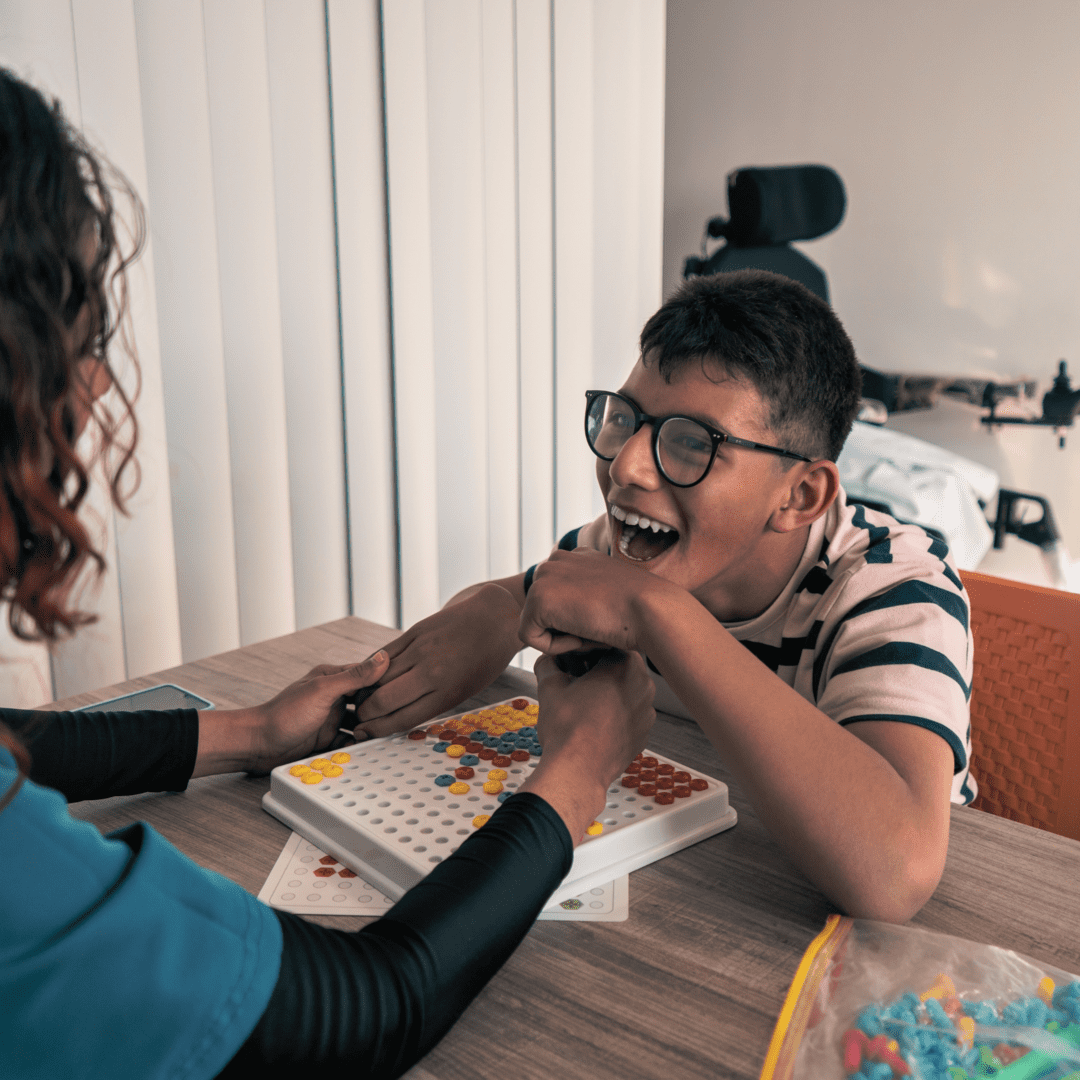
pixel 903 654
pixel 380 999
pixel 94 755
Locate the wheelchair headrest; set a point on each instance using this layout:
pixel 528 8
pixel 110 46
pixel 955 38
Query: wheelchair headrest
pixel 775 205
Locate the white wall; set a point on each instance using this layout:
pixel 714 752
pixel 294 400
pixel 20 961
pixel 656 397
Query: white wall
pixel 391 244
pixel 956 129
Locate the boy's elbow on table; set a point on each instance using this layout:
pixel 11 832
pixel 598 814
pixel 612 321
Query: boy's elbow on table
pixel 896 896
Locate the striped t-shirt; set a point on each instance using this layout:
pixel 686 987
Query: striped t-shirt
pixel 873 625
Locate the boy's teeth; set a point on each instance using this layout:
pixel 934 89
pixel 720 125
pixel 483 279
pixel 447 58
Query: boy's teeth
pixel 630 518
pixel 632 541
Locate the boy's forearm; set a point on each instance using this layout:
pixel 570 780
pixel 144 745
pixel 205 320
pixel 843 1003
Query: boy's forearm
pixel 502 617
pixel 872 839
pixel 514 585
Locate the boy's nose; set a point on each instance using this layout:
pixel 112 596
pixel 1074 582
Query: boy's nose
pixel 633 465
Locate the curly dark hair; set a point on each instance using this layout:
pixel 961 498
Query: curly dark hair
pixel 773 332
pixel 62 301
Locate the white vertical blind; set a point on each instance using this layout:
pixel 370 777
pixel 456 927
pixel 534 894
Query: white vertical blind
pixel 628 163
pixel 303 182
pixel 501 255
pixel 392 244
pixel 408 183
pixel 575 255
pixel 455 119
pixel 182 212
pixel 536 276
pixel 37 41
pixel 145 577
pixel 243 185
pixel 363 259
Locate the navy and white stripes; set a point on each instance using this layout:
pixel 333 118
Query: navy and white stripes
pixel 873 626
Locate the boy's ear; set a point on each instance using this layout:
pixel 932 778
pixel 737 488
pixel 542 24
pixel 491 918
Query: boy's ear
pixel 810 491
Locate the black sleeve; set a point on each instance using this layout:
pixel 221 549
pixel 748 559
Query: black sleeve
pixel 378 1000
pixel 91 755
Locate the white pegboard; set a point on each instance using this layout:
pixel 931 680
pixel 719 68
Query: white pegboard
pixel 384 816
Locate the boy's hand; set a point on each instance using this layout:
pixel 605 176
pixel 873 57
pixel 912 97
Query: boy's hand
pixel 442 660
pixel 590 728
pixel 582 598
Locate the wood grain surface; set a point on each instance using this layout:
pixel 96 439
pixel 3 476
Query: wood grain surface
pixel 691 985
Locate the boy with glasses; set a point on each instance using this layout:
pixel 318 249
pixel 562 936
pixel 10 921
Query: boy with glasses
pixel 824 649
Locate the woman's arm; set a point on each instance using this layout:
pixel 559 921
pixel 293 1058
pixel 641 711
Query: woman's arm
pixel 380 999
pixel 88 755
pixel 94 755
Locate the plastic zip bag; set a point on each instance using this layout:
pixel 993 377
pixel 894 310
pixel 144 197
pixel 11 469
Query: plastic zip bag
pixel 874 1001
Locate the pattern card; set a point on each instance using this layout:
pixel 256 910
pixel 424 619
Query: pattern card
pixel 307 881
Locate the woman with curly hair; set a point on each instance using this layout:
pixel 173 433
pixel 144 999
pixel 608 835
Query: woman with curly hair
pixel 135 962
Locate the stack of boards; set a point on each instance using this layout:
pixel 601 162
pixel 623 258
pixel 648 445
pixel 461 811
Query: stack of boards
pixel 380 811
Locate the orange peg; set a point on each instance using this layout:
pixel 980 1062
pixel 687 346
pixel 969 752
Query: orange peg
pixel 953 1007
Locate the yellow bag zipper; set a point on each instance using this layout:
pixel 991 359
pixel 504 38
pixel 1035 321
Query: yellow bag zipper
pixel 794 1016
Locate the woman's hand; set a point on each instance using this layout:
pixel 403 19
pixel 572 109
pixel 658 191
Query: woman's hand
pixel 303 718
pixel 591 728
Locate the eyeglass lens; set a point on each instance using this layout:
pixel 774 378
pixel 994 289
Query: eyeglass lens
pixel 684 447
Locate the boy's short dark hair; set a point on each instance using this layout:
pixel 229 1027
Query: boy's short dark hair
pixel 776 334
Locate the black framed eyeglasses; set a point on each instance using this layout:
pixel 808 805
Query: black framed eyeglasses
pixel 683 449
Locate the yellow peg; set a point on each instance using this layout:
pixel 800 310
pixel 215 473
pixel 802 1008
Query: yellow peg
pixel 1045 990
pixel 966 1026
pixel 943 987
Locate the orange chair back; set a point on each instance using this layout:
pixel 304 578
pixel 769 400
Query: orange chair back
pixel 1025 702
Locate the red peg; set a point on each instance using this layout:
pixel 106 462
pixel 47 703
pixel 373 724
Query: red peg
pixel 895 1062
pixel 854 1042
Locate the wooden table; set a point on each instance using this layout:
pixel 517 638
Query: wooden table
pixel 691 984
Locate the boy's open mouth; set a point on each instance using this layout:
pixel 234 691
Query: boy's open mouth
pixel 639 538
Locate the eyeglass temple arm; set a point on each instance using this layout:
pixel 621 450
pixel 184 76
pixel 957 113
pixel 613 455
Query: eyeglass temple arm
pixel 762 446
